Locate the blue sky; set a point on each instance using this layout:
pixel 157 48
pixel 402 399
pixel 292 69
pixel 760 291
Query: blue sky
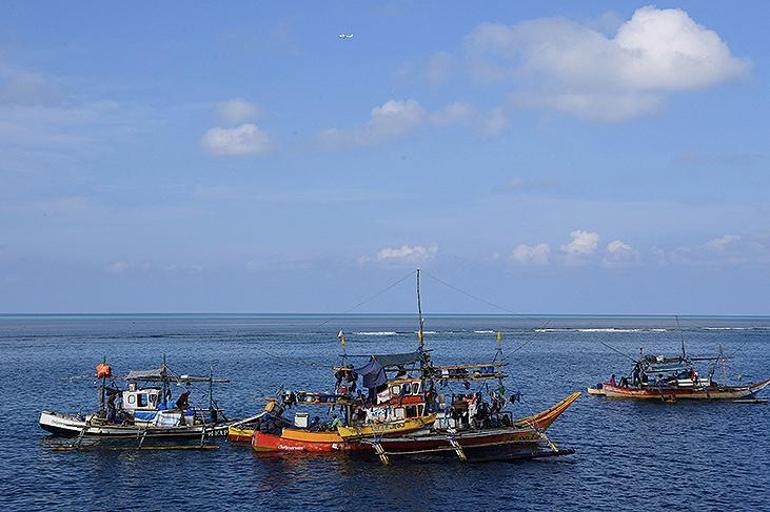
pixel 603 157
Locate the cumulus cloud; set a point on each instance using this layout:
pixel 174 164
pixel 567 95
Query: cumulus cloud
pixel 620 254
pixel 118 267
pixel 576 68
pixel 453 113
pixel 236 111
pixel 722 243
pixel 531 254
pixel 388 121
pixel 584 243
pixel 396 118
pixel 407 253
pixel 246 139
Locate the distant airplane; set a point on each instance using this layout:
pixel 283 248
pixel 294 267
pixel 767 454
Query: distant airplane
pixel 345 36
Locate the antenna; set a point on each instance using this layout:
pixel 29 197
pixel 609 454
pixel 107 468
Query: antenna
pixel 420 320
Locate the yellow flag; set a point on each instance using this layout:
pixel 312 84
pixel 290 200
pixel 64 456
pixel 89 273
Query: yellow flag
pixel 419 336
pixel 342 339
pixel 499 339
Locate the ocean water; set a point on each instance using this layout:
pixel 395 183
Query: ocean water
pixel 630 455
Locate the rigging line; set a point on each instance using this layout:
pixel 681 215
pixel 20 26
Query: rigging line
pixel 618 351
pixel 368 299
pixel 468 294
pixel 532 337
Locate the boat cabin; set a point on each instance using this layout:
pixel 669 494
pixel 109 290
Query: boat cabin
pixel 141 399
pixel 400 388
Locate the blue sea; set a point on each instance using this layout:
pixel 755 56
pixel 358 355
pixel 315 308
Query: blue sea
pixel 629 455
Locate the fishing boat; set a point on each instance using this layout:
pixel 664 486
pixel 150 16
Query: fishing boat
pixel 673 378
pixel 144 408
pixel 411 406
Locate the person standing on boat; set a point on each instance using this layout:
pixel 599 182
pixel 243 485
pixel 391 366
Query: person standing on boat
pixel 612 380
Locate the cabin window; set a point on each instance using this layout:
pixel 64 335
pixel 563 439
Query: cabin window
pixel 415 388
pixel 395 390
pixel 419 410
pixel 398 413
pixel 411 411
pixel 141 400
pixel 405 389
pixel 131 399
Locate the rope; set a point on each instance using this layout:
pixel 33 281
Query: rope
pixel 368 299
pixel 470 295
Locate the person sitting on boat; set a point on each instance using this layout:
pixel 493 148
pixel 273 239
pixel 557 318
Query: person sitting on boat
pixel 624 382
pixel 612 379
pixel 336 422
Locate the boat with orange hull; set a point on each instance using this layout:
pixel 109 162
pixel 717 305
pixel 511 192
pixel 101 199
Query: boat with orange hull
pixel 412 405
pixel 672 378
pixel 670 393
pixel 298 440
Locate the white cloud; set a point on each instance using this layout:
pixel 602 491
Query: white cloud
pixel 389 121
pixel 245 139
pixel 453 113
pixel 407 253
pixel 118 267
pixel 575 68
pixel 237 111
pixel 620 254
pixel 583 243
pixel 722 243
pixel 531 254
pixel 396 118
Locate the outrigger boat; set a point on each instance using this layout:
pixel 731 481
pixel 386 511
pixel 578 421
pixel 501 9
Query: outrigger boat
pixel 666 378
pixel 145 408
pixel 409 409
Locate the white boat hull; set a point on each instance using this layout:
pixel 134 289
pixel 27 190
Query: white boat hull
pixel 68 425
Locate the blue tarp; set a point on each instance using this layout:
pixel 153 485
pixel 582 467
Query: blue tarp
pixel 373 373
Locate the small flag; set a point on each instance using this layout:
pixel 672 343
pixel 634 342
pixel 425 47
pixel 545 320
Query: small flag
pixel 419 336
pixel 499 339
pixel 342 339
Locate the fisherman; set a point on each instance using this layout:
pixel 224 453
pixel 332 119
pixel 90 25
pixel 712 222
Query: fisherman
pixel 336 422
pixel 612 380
pixel 635 375
pixel 112 412
pixel 183 402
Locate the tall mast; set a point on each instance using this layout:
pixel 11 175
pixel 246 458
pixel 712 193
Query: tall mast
pixel 420 320
pixel 102 387
pixel 681 336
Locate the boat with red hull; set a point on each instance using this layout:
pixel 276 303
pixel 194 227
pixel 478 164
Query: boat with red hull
pixel 669 393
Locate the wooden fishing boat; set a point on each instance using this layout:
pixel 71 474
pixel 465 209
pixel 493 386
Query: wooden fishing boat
pixel 145 409
pixel 672 392
pixel 411 407
pixel 521 436
pixel 673 378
